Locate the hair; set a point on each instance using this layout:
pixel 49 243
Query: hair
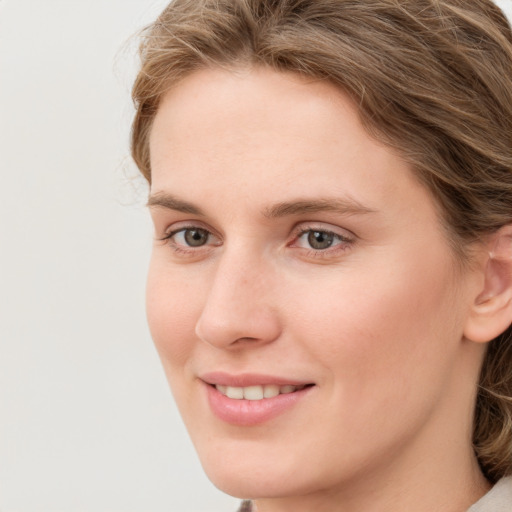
pixel 432 79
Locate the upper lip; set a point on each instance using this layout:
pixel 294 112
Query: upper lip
pixel 249 379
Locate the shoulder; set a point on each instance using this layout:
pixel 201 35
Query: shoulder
pixel 498 499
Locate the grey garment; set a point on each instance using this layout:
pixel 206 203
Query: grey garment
pixel 498 499
pixel 245 506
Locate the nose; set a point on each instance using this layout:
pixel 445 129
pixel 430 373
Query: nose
pixel 239 307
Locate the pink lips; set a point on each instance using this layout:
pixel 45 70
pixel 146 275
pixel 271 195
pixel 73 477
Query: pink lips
pixel 248 379
pixel 250 412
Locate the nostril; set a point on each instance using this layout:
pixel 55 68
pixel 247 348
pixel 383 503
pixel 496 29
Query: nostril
pixel 246 338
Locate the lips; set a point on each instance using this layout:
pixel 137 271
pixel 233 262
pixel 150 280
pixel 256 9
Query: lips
pixel 251 399
pixel 250 379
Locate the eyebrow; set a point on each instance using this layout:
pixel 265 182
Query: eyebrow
pixel 171 202
pixel 346 206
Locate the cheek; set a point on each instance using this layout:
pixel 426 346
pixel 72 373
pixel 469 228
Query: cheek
pixel 172 314
pixel 386 348
pixel 383 330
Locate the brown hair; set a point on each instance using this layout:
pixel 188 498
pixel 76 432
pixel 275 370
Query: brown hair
pixel 431 78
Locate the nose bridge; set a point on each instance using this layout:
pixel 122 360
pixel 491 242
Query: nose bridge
pixel 239 305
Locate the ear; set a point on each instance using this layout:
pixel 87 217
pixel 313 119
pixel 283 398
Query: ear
pixel 491 312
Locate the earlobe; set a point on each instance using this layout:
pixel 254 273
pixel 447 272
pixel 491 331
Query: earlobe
pixel 491 312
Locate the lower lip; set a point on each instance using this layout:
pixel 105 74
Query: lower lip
pixel 247 413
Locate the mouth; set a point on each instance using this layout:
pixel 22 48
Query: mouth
pixel 250 400
pixel 257 392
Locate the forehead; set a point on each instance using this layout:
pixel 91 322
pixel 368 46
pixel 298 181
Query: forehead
pixel 257 119
pixel 239 143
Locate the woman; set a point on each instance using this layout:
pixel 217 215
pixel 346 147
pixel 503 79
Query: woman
pixel 330 290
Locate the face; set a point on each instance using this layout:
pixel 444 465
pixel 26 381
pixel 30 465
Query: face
pixel 302 293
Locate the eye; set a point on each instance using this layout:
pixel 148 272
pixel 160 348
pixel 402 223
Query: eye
pixel 319 239
pixel 189 238
pixel 193 237
pixel 322 240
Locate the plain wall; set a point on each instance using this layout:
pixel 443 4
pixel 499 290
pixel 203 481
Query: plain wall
pixel 86 420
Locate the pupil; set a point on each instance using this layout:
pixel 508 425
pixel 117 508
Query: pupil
pixel 320 239
pixel 196 237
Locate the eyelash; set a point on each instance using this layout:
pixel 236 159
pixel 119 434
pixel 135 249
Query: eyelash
pixel 180 248
pixel 342 243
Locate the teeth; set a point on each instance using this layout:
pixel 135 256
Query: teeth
pixel 256 392
pixel 253 392
pixel 271 391
pixel 236 393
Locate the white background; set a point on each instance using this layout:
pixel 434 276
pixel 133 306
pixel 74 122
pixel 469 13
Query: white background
pixel 86 420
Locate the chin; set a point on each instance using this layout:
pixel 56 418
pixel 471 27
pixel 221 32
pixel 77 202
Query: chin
pixel 255 484
pixel 243 472
pixel 258 472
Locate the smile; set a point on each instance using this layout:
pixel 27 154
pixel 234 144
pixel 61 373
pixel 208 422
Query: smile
pixel 242 401
pixel 256 392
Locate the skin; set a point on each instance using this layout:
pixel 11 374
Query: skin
pixel 376 321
